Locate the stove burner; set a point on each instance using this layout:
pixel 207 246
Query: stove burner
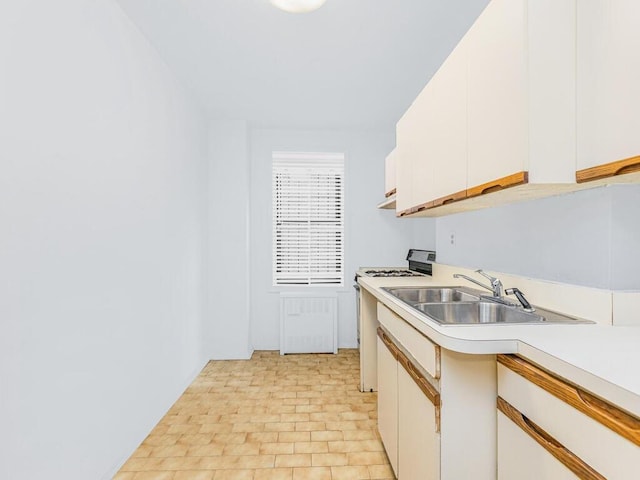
pixel 392 273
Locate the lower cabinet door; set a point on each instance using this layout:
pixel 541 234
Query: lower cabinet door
pixel 419 452
pixel 522 458
pixel 388 403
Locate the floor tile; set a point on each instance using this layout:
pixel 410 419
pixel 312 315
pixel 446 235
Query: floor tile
pixel 312 473
pixel 292 417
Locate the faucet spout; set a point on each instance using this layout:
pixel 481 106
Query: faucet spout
pixel 496 284
pixel 472 280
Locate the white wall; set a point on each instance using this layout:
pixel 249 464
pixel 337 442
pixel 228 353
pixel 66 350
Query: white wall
pixel 585 238
pixel 102 212
pixel 228 323
pixel 625 238
pixel 373 237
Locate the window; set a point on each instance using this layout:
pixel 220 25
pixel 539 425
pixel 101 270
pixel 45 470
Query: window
pixel 308 218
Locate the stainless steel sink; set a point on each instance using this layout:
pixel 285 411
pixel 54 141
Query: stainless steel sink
pixel 463 313
pixel 466 306
pixel 415 295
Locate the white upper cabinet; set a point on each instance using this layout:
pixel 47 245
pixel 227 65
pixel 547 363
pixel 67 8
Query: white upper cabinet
pixel 432 137
pixel 421 135
pixel 449 145
pixel 522 103
pixel 551 95
pixel 497 106
pixel 499 113
pixel 608 83
pixel 414 176
pixel 390 174
pixel 404 161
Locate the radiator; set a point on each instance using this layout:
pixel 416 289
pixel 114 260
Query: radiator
pixel 308 323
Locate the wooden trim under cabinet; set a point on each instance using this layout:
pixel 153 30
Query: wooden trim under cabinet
pixel 416 209
pixel 570 460
pixel 416 375
pixel 454 197
pixel 390 192
pixel 620 167
pixel 612 417
pixel 516 179
pixel 429 390
pixel 388 343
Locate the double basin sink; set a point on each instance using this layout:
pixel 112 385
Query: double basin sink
pixel 465 306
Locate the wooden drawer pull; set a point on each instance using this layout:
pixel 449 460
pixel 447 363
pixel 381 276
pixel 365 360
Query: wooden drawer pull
pixel 607 411
pixel 429 390
pixel 388 343
pixel 550 444
pixel 454 197
pixel 620 167
pixel 612 417
pixel 499 184
pixel 493 188
pixel 630 168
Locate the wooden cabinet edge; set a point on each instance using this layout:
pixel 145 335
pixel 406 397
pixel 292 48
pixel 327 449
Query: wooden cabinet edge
pixel 605 413
pixel 612 169
pixel 419 379
pixel 550 444
pixel 513 180
pixel 423 384
pixel 388 343
pixel 416 209
pixel 447 199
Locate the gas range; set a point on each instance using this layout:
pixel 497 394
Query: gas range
pixel 420 264
pixel 385 272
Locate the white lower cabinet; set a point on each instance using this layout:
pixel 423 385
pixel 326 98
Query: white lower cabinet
pixel 418 434
pixel 408 414
pixel 388 401
pixel 436 408
pixel 520 457
pixel 551 428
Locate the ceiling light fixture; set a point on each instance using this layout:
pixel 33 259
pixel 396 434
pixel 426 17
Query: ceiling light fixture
pixel 298 6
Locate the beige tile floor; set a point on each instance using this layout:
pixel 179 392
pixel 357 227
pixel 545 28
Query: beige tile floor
pixel 290 417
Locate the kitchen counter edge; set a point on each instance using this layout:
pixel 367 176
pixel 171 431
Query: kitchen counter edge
pixel 595 357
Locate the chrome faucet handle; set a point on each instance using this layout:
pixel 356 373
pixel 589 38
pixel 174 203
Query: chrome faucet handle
pixel 496 284
pixel 486 275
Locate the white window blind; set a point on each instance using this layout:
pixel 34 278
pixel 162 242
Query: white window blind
pixel 308 218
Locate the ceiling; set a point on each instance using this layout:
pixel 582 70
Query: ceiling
pixel 350 64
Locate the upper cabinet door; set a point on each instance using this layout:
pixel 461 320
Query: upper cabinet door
pixel 497 105
pixel 422 141
pixel 449 136
pixel 390 174
pixel 414 175
pixel 404 153
pixel 608 81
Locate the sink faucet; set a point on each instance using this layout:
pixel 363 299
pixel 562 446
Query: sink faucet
pixel 496 289
pixel 496 284
pixel 526 306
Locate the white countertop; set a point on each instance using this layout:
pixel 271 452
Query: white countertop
pixel 603 359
